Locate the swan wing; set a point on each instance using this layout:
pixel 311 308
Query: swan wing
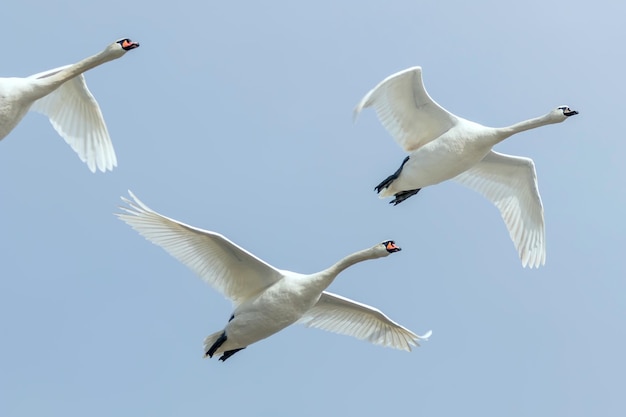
pixel 406 110
pixel 230 269
pixel 76 116
pixel 338 314
pixel 510 182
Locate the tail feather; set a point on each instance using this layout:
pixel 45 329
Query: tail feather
pixel 210 340
pixel 385 192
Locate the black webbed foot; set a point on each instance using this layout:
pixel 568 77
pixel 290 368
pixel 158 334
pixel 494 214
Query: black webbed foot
pixel 219 342
pixel 230 353
pixel 403 195
pixel 387 181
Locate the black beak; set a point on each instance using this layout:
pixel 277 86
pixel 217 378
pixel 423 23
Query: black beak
pixel 570 113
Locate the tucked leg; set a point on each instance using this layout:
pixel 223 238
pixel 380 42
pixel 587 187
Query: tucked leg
pixel 387 181
pixel 403 195
pixel 230 353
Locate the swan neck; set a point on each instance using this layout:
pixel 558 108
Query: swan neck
pixel 505 132
pixel 331 273
pixel 51 83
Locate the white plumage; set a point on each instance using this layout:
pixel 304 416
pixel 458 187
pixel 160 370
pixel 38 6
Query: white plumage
pixel 62 95
pixel 443 146
pixel 267 299
pixel 338 314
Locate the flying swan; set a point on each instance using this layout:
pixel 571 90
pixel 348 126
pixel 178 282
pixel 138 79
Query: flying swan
pixel 267 299
pixel 63 96
pixel 443 146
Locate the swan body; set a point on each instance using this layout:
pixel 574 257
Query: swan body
pixel 267 299
pixel 443 146
pixel 63 96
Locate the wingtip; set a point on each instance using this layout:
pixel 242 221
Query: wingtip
pixel 91 165
pixel 365 102
pixel 104 166
pixel 417 69
pixel 357 109
pixel 426 335
pixel 370 97
pixel 531 262
pixel 104 170
pixel 133 205
pixel 109 167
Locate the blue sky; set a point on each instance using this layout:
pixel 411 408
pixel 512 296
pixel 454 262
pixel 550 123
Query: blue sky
pixel 237 117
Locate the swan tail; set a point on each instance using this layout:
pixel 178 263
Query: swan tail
pixel 212 343
pixel 384 193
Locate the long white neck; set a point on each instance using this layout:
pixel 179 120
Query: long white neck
pixel 326 277
pixel 45 86
pixel 505 132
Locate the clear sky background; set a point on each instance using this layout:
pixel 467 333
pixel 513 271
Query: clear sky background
pixel 237 117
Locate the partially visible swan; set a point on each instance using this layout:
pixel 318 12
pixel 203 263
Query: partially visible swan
pixel 267 299
pixel 63 96
pixel 443 146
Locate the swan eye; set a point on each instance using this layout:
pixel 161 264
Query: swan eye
pixel 567 111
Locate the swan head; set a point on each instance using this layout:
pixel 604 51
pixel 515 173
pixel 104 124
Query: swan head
pixel 562 112
pixel 390 247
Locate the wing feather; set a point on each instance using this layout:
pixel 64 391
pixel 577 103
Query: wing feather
pixel 406 110
pixel 230 269
pixel 75 115
pixel 510 182
pixel 338 314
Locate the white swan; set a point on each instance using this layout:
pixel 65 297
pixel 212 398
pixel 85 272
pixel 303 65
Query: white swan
pixel 267 299
pixel 63 96
pixel 443 146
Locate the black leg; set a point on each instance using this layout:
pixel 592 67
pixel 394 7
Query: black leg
pixel 403 195
pixel 219 342
pixel 230 353
pixel 387 181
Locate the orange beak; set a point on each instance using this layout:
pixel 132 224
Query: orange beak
pixel 392 246
pixel 126 44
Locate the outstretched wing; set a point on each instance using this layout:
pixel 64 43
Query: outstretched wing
pixel 510 182
pixel 338 314
pixel 406 110
pixel 76 116
pixel 230 269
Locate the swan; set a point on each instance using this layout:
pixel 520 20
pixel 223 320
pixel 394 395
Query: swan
pixel 443 146
pixel 63 96
pixel 267 299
